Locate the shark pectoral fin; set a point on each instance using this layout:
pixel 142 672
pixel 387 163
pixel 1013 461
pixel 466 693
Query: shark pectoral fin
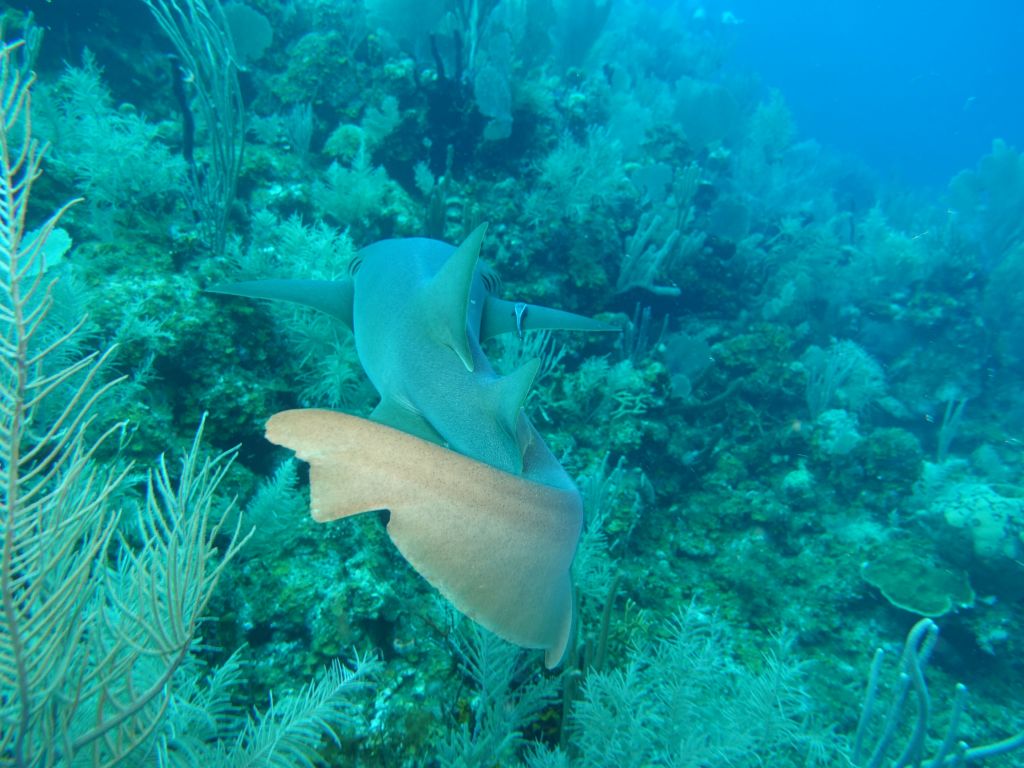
pixel 394 414
pixel 496 545
pixel 445 299
pixel 331 296
pixel 500 316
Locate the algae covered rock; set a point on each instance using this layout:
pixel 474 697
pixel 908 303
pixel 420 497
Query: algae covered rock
pixel 982 530
pixel 994 523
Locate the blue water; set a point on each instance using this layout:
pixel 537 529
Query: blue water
pixel 916 89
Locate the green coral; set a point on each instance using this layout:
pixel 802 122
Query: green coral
pixel 914 582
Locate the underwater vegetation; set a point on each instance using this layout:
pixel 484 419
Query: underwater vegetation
pixel 790 479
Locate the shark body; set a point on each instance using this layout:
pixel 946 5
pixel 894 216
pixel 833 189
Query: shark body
pixel 479 505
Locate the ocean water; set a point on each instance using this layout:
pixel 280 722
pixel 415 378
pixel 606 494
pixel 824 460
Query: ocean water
pixel 301 468
pixel 917 91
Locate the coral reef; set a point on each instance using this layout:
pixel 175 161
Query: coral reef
pixel 805 438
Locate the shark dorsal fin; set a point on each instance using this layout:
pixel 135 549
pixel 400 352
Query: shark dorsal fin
pixel 508 394
pixel 516 388
pixel 446 297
